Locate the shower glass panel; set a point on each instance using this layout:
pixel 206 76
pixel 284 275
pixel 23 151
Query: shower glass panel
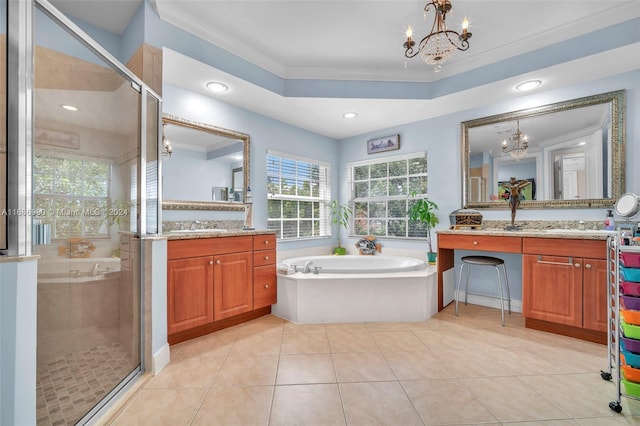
pixel 86 144
pixel 3 124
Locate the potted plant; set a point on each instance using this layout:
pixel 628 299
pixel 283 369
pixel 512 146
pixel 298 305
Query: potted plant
pixel 424 210
pixel 340 215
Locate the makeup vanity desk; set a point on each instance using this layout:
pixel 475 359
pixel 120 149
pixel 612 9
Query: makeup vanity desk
pixel 564 275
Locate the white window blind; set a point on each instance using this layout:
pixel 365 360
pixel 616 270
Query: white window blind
pixel 379 195
pixel 151 195
pixel 298 196
pixel 73 194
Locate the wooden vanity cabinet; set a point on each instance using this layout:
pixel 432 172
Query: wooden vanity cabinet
pixel 211 283
pixel 564 285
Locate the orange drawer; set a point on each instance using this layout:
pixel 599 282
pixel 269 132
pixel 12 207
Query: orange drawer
pixel 265 290
pixel 593 249
pixel 196 247
pixel 264 257
pixel 264 242
pixel 480 242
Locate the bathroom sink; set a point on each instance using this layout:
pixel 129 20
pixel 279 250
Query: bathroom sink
pixel 197 231
pixel 579 231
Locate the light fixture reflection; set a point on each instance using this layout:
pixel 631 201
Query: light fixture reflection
pixel 349 115
pixel 69 107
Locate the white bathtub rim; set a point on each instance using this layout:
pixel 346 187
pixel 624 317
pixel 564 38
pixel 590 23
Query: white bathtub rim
pixel 416 264
pixel 429 270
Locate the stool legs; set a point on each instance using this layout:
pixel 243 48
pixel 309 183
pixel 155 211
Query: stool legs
pixel 464 271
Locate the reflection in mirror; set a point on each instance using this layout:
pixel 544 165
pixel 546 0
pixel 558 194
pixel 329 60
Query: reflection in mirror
pixel 572 153
pixel 208 164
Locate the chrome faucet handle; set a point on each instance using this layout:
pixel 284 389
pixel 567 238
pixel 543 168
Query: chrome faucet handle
pixel 581 225
pixel 316 269
pixel 194 225
pixel 295 268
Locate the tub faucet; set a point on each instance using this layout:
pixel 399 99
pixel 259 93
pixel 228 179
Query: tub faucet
pixel 195 225
pixel 95 269
pixel 307 267
pixel 581 225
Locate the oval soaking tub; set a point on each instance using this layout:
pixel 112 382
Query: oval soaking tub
pixel 353 264
pixel 356 289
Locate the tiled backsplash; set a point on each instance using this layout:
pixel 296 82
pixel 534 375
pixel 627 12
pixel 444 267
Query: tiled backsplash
pixel 173 225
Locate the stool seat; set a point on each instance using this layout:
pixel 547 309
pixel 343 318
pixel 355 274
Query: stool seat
pixel 483 260
pixel 501 270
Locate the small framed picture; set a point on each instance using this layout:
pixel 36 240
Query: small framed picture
pixel 387 143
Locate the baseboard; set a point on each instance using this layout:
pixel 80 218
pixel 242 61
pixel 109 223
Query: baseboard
pixel 160 359
pixel 491 302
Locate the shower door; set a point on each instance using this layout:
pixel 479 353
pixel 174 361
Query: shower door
pixel 86 152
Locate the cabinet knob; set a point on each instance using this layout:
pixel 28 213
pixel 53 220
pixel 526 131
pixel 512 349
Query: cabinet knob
pixel 266 242
pixel 577 265
pixel 218 262
pixel 475 243
pixel 588 266
pixel 266 286
pixel 211 262
pixel 266 258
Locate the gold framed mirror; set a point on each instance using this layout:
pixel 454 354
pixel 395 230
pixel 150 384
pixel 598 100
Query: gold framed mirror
pixel 571 152
pixel 226 151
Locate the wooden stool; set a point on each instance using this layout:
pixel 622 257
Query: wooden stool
pixel 468 262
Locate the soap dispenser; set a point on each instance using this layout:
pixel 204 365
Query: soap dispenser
pixel 608 222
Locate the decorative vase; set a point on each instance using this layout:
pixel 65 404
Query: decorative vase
pixel 431 257
pixel 341 251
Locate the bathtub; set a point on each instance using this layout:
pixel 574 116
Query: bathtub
pixel 357 289
pixel 77 270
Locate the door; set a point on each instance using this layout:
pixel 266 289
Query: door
pixel 595 294
pixel 552 289
pixel 232 285
pixel 190 293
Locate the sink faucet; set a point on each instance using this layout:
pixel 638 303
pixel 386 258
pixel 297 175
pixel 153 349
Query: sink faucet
pixel 307 267
pixel 581 225
pixel 195 225
pixel 95 269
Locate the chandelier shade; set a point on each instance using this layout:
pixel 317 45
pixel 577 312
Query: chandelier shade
pixel 517 144
pixel 441 42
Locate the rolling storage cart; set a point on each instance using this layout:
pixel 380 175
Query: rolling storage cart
pixel 623 314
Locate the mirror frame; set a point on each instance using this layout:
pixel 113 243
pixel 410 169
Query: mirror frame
pixel 220 131
pixel 618 151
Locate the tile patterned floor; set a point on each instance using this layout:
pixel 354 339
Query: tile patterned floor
pixel 69 386
pixel 446 371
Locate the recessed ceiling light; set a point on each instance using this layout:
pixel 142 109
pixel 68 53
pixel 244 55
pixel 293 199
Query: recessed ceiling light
pixel 582 143
pixel 69 107
pixel 216 86
pixel 349 115
pixel 528 85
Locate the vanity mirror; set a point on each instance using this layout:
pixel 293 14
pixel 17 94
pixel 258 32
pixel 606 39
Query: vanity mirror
pixel 208 169
pixel 572 153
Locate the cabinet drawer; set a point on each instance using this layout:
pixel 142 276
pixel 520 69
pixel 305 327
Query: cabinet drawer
pixel 264 257
pixel 264 286
pixel 481 242
pixel 594 249
pixel 180 249
pixel 264 242
pixel 125 259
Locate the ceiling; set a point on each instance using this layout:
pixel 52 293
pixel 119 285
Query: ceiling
pixel 358 40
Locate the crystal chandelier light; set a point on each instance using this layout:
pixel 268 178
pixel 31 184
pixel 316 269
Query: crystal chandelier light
pixel 440 43
pixel 517 143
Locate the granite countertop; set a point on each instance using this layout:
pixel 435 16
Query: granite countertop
pixel 214 234
pixel 572 234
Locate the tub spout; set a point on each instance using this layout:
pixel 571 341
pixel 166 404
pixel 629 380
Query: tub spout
pixel 307 267
pixel 94 269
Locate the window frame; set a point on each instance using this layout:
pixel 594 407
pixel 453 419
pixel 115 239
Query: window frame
pixel 412 230
pixel 323 199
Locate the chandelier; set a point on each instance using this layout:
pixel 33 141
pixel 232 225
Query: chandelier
pixel 517 143
pixel 440 43
pixel 167 149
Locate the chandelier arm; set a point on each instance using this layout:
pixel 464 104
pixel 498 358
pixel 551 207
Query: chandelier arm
pixel 458 42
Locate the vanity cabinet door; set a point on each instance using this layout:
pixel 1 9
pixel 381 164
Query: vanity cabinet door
pixel 190 293
pixel 552 289
pixel 595 294
pixel 232 284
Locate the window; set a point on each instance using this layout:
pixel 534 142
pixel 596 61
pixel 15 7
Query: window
pixel 74 194
pixel 298 196
pixel 379 191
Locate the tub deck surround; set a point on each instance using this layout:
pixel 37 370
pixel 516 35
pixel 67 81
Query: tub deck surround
pixel 333 297
pixel 563 275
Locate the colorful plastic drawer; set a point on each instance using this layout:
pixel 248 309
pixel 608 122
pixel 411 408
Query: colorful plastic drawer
pixel 629 358
pixel 630 345
pixel 631 331
pixel 630 302
pixel 630 274
pixel 630 317
pixel 629 288
pixel 631 388
pixel 631 374
pixel 630 260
